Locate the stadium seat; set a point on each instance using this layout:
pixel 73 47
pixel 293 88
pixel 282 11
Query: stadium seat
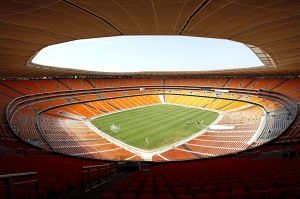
pixel 146 196
pixel 221 195
pixel 273 193
pixel 203 196
pixel 184 196
pixel 108 195
pixel 179 190
pixel 289 192
pixel 165 196
pixel 127 196
pixel 239 195
pixel 256 194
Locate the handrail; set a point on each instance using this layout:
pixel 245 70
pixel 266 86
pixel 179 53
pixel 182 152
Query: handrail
pixel 18 174
pixel 10 182
pixel 94 166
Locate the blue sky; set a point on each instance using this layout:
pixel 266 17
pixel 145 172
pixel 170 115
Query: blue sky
pixel 148 53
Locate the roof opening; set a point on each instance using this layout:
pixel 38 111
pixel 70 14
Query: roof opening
pixel 148 54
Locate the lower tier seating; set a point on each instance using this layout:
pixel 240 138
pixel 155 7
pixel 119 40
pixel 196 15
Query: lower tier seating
pixel 56 174
pixel 218 178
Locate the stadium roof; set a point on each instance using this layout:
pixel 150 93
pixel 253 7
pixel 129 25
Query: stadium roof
pixel 271 28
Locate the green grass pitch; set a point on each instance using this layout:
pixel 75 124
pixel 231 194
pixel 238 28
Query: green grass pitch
pixel 155 126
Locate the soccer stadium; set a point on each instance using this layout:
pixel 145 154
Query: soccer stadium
pixel 189 133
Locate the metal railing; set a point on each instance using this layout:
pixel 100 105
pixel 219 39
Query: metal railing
pixel 11 180
pixel 96 173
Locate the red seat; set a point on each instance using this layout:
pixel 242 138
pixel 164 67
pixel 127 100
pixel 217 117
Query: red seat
pixel 58 188
pixel 127 196
pixel 163 190
pixel 223 188
pixel 147 190
pixel 20 193
pixel 179 190
pixel 252 186
pixel 118 189
pixel 146 196
pixel 195 190
pixel 203 196
pixel 165 196
pixel 273 193
pixel 209 189
pixel 133 190
pixel 222 195
pixel 288 192
pixel 237 187
pixel 108 195
pixel 184 196
pixel 256 194
pixel 239 195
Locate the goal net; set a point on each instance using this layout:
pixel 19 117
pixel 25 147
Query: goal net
pixel 115 128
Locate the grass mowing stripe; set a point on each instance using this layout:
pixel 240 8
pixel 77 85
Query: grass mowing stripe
pixel 137 114
pixel 159 129
pixel 167 120
pixel 170 118
pixel 163 124
pixel 162 129
pixel 144 124
pixel 180 131
pixel 128 112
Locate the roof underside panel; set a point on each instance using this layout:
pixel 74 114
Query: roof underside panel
pixel 30 25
